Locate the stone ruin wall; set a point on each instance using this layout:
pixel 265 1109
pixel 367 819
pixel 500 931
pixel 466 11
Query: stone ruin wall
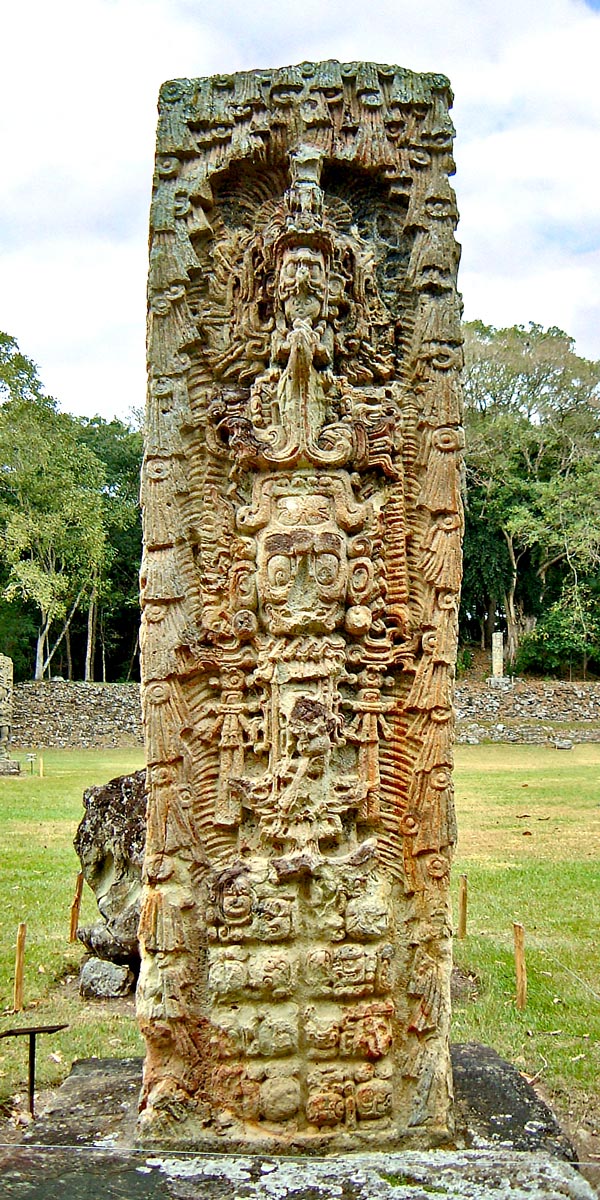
pixel 71 714
pixel 300 583
pixel 8 766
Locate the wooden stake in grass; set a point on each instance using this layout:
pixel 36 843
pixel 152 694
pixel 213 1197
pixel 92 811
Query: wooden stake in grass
pixel 462 907
pixel 19 967
pixel 520 968
pixel 75 907
pixel 41 766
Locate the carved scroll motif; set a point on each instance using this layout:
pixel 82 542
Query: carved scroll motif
pixel 303 519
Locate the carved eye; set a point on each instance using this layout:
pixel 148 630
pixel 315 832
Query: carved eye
pixel 443 358
pixel 437 866
pixel 244 586
pixel 279 570
pixel 167 164
pixel 440 779
pixel 360 579
pixel 326 569
pixel 448 439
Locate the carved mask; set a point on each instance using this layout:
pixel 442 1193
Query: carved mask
pixel 303 577
pixel 302 284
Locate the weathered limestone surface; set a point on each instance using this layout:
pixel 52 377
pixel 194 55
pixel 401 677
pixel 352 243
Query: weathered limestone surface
pixel 6 702
pixel 498 655
pixel 75 1173
pixel 102 980
pixel 110 844
pixel 300 582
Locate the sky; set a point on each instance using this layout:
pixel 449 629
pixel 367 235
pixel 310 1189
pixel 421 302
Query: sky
pixel 79 84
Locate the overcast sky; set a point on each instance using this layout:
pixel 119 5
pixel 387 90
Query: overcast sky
pixel 79 82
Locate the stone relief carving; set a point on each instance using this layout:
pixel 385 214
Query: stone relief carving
pixel 300 584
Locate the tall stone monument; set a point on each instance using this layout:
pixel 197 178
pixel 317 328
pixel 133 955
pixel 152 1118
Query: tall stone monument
pixel 6 697
pixel 8 765
pixel 498 655
pixel 303 517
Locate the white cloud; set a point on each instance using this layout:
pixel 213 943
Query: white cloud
pixel 83 302
pixel 78 95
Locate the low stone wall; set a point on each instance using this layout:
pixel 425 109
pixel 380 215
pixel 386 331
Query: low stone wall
pixel 76 714
pixel 108 714
pixel 527 711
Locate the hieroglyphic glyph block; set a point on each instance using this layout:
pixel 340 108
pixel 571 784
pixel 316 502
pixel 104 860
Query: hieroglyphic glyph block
pixel 300 583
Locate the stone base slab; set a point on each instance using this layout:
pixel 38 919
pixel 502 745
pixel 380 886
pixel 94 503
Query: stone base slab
pixel 78 1173
pixel 83 1146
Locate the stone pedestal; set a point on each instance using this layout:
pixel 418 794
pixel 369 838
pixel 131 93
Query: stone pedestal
pixel 9 766
pixel 81 1146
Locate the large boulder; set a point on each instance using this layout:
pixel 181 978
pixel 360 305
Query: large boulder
pixel 110 843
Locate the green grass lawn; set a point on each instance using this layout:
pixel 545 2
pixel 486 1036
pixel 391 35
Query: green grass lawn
pixel 38 819
pixel 529 820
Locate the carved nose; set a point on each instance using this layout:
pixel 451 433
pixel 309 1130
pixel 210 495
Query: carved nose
pixel 303 591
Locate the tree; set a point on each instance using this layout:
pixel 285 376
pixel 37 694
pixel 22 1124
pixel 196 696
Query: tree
pixel 70 531
pixel 52 540
pixel 533 464
pixel 52 535
pixel 486 574
pixel 568 632
pixel 19 379
pixel 116 602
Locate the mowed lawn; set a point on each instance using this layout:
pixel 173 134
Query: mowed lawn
pixel 38 872
pixel 529 843
pixel 529 821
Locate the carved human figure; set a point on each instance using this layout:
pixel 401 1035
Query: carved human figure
pixel 367 728
pixel 235 730
pixel 301 349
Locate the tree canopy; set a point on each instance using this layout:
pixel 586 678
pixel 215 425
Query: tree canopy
pixel 532 417
pixel 69 532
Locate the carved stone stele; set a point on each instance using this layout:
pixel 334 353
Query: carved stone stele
pixel 6 704
pixel 300 582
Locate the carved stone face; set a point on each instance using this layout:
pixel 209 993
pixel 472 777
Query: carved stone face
pixel 303 578
pixel 236 900
pixel 373 1099
pixel 302 284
